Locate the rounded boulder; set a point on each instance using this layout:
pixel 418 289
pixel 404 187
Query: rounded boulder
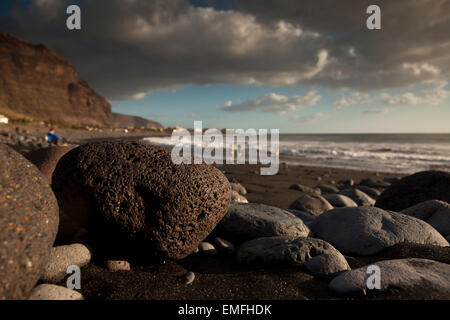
pixel 414 189
pixel 135 201
pixel 29 222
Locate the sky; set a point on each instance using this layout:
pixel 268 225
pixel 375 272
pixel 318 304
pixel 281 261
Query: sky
pixel 297 66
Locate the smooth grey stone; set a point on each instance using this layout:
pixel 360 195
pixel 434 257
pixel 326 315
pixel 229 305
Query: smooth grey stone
pixel 306 189
pixel 434 212
pixel 358 196
pixel 366 231
pixel 317 256
pixel 245 221
pixel 326 188
pixel 405 274
pixel 311 203
pixel 339 201
pixel 305 216
pixel 371 192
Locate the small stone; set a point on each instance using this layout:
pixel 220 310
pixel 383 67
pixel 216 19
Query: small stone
pixel 326 188
pixel 207 248
pixel 302 188
pixel 224 245
pixel 371 192
pixel 358 196
pixel 61 258
pixel 238 188
pixel 339 201
pixel 374 184
pixel 54 292
pixel 311 203
pixel 190 277
pixel 236 197
pixel 118 265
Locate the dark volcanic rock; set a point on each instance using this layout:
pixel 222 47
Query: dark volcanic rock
pixel 136 202
pixel 47 158
pixel 414 189
pixel 28 224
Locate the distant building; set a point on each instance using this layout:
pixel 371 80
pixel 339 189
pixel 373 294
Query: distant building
pixel 3 119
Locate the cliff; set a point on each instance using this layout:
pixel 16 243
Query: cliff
pixel 125 121
pixel 37 83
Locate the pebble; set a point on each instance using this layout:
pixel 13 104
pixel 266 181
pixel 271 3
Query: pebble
pixel 236 197
pixel 54 292
pixel 224 245
pixel 118 265
pixel 239 188
pixel 190 277
pixel 207 248
pixel 61 257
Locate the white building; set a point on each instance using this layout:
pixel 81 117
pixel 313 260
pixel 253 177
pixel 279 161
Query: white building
pixel 3 119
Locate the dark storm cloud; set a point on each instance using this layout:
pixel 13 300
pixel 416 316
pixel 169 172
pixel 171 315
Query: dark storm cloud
pixel 127 48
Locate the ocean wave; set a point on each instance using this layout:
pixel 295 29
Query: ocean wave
pixel 400 157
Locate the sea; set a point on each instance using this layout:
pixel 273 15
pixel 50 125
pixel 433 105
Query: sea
pixel 398 153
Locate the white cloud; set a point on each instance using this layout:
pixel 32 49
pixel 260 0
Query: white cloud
pixel 375 111
pixel 418 69
pixel 356 98
pixel 308 118
pixel 434 96
pixel 276 103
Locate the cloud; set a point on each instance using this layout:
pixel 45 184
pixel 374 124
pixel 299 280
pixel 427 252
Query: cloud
pixel 418 69
pixel 375 111
pixel 134 47
pixel 434 96
pixel 355 98
pixel 308 118
pixel 229 103
pixel 275 103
